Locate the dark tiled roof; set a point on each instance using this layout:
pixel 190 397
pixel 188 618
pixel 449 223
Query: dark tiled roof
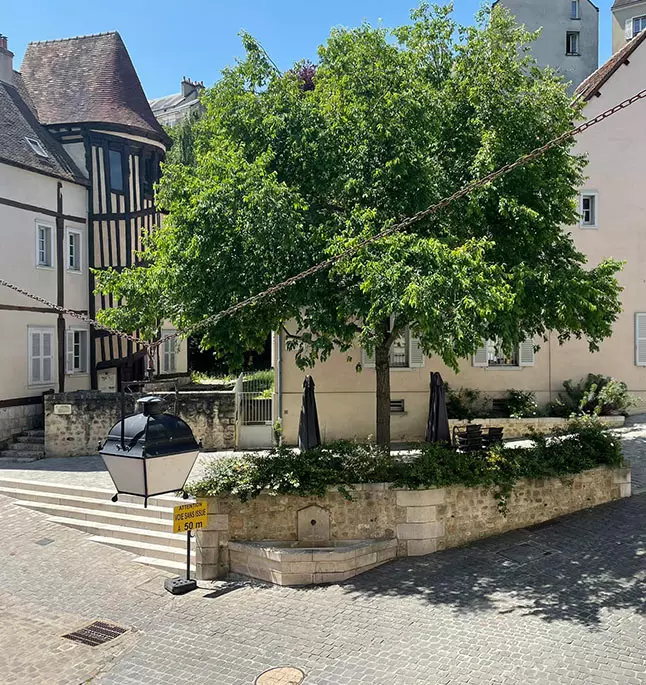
pixel 593 83
pixel 17 123
pixel 89 79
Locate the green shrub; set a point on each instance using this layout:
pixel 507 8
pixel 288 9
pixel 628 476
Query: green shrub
pixel 521 404
pixel 583 445
pixel 466 403
pixel 595 395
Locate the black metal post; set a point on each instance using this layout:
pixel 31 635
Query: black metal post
pixel 188 555
pixel 123 411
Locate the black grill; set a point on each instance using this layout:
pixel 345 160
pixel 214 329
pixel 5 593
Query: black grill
pixel 96 633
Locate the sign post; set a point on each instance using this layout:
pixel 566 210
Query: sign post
pixel 186 518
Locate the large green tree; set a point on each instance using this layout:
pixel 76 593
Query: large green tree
pixel 290 168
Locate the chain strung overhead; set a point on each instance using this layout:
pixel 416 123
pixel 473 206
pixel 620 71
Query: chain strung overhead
pixel 328 263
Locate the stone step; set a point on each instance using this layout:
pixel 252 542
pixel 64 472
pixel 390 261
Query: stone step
pixel 146 549
pixel 71 502
pixel 111 530
pixel 35 432
pixel 100 494
pixel 101 515
pixel 14 457
pixel 30 439
pixel 177 568
pixel 26 447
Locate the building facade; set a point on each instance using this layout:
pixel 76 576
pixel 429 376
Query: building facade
pixel 79 153
pixel 569 38
pixel 611 225
pixel 628 20
pixel 170 110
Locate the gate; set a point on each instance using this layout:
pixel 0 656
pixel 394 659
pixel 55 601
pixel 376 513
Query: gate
pixel 254 410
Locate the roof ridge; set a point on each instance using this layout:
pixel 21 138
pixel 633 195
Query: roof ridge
pixel 62 40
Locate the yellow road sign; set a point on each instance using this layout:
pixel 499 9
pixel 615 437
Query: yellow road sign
pixel 189 517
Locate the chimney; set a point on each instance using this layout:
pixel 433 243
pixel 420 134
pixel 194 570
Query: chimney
pixel 6 61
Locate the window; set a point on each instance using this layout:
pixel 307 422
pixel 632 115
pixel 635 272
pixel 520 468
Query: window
pixel 492 355
pixel 589 210
pixel 41 367
pixel 37 147
pixel 77 350
pixel 397 407
pixel 116 171
pixel 170 348
pixel 572 43
pixel 150 175
pixel 640 339
pixel 638 25
pixel 73 251
pixel 575 9
pixel 44 247
pixel 405 353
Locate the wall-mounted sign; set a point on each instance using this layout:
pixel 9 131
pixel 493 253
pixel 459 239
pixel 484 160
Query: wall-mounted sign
pixel 62 409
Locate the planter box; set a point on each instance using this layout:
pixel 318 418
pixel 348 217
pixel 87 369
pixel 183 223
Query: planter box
pixel 519 428
pixel 416 522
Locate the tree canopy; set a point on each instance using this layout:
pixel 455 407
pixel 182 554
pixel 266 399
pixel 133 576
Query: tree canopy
pixel 291 167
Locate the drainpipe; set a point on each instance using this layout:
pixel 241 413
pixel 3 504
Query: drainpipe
pixel 279 376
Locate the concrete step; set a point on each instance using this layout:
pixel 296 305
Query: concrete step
pixel 146 549
pixel 13 457
pixel 111 530
pixel 35 432
pixel 26 447
pixel 30 439
pixel 101 515
pixel 101 495
pixel 177 568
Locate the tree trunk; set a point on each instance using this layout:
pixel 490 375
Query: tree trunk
pixel 382 369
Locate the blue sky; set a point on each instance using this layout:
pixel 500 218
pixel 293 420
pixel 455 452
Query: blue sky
pixel 168 39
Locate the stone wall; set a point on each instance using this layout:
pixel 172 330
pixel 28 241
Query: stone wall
pixel 75 423
pixel 15 420
pixel 519 428
pixel 422 521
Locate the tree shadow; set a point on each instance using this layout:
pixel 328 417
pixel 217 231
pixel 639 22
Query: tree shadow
pixel 581 566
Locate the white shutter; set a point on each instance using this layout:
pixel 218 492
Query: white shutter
pixel 416 355
pixel 47 357
pixel 526 356
pixel 640 339
pixel 629 29
pixel 367 360
pixel 35 357
pixel 70 351
pixel 480 357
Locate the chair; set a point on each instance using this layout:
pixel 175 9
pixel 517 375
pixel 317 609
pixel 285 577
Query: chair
pixel 492 436
pixel 468 438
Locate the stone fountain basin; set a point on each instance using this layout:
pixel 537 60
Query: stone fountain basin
pixel 308 562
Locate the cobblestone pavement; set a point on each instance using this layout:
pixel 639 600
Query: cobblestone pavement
pixel 577 615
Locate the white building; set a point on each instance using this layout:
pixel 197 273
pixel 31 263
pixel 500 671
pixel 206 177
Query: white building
pixel 171 109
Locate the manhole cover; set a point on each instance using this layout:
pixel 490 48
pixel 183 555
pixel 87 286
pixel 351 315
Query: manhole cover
pixel 96 633
pixel 281 676
pixel 524 552
pixel 44 541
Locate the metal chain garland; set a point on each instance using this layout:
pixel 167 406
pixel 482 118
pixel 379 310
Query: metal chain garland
pixel 328 263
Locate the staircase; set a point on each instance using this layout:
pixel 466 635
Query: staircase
pixel 125 524
pixel 28 446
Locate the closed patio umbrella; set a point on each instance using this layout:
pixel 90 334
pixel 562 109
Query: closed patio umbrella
pixel 309 434
pixel 437 429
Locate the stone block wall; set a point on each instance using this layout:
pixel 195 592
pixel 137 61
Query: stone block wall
pixel 76 422
pixel 15 420
pixel 422 521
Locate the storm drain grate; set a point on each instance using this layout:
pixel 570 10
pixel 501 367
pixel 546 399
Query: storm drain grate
pixel 524 552
pixel 96 633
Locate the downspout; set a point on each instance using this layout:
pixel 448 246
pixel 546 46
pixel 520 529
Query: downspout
pixel 549 367
pixel 279 377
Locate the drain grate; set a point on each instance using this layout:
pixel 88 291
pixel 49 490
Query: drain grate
pixel 524 552
pixel 96 633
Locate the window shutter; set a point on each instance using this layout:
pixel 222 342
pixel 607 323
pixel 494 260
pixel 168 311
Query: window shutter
pixel 70 351
pixel 35 356
pixel 640 339
pixel 367 361
pixel 47 357
pixel 629 29
pixel 416 356
pixel 480 357
pixel 526 356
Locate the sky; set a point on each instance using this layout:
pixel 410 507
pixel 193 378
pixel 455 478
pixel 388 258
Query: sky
pixel 170 39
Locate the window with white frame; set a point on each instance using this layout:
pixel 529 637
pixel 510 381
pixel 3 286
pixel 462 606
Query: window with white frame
pixel 492 354
pixel 44 245
pixel 73 250
pixel 77 350
pixel 405 353
pixel 37 147
pixel 638 24
pixel 572 43
pixel 41 356
pixel 589 210
pixel 169 351
pixel 575 9
pixel 640 339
